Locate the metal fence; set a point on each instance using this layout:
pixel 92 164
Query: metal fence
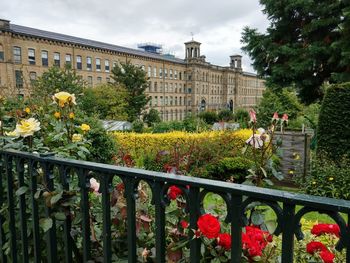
pixel 22 240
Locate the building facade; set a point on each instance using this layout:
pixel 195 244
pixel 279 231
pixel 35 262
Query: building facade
pixel 177 86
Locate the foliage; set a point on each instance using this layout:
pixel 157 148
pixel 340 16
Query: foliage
pixel 225 115
pixel 233 169
pixel 135 81
pixel 210 117
pixel 169 126
pixel 242 117
pixel 152 117
pixel 333 132
pixel 54 80
pixel 329 178
pixel 302 46
pixel 138 126
pixel 283 101
pixel 105 101
pixel 307 117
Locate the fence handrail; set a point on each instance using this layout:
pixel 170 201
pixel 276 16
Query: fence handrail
pixel 338 205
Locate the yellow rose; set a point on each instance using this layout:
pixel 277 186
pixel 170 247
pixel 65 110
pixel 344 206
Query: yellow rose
pixel 27 110
pixel 64 97
pixel 71 115
pixel 12 133
pixel 77 137
pixel 27 127
pixel 85 127
pixel 57 115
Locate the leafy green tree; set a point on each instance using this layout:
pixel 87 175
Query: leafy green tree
pixel 106 101
pixel 303 45
pixel 284 101
pixel 151 117
pixel 135 81
pixel 57 79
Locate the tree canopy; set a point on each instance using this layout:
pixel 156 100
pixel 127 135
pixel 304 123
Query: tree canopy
pixel 305 45
pixel 135 81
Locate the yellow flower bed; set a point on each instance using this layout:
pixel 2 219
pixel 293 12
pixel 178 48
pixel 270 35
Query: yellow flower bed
pixel 154 142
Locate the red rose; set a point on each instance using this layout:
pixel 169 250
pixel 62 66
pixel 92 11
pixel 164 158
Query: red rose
pixel 321 229
pixel 327 256
pixel 184 224
pixel 209 226
pixel 254 251
pixel 315 246
pixel 174 192
pixel 224 240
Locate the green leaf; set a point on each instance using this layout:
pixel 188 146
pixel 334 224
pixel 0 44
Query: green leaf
pixel 45 223
pixel 60 216
pixel 257 218
pixel 22 190
pixel 55 198
pixel 37 194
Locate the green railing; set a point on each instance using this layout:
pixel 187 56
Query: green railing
pixel 22 240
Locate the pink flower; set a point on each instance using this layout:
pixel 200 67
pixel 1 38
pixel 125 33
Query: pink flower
pixel 285 117
pixel 94 185
pixel 275 116
pixel 252 115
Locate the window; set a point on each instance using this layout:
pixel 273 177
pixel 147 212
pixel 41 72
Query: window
pixel 1 53
pixel 89 80
pixel 155 72
pixel 99 80
pixel 68 59
pixel 150 101
pixel 165 73
pixel 79 64
pixel 31 56
pixel 161 100
pixel 180 75
pixel 149 71
pixel 98 64
pixel 19 79
pixel 56 59
pixel 160 73
pixel 155 100
pixel 170 73
pixel 44 58
pixel 107 65
pixel 17 57
pixel 32 77
pixel 155 86
pixel 89 63
pixel 175 74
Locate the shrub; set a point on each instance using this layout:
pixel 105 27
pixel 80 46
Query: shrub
pixel 230 168
pixel 334 122
pixel 137 126
pixel 210 117
pixel 242 116
pixel 225 115
pixel 329 179
pixel 152 117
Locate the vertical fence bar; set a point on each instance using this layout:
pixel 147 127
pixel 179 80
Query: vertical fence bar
pixel 131 218
pixel 195 244
pixel 32 172
pixel 236 228
pixel 348 240
pixel 11 207
pixel 3 257
pixel 67 239
pixel 288 225
pixel 160 222
pixel 22 209
pixel 105 189
pixel 51 238
pixel 84 185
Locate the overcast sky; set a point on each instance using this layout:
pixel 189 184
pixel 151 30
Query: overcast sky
pixel 216 24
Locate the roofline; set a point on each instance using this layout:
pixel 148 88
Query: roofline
pixel 49 35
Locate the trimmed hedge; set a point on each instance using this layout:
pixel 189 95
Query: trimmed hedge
pixel 334 123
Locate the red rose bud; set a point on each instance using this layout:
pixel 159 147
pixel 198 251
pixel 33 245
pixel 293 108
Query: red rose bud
pixel 315 246
pixel 174 192
pixel 252 115
pixel 224 240
pixel 184 224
